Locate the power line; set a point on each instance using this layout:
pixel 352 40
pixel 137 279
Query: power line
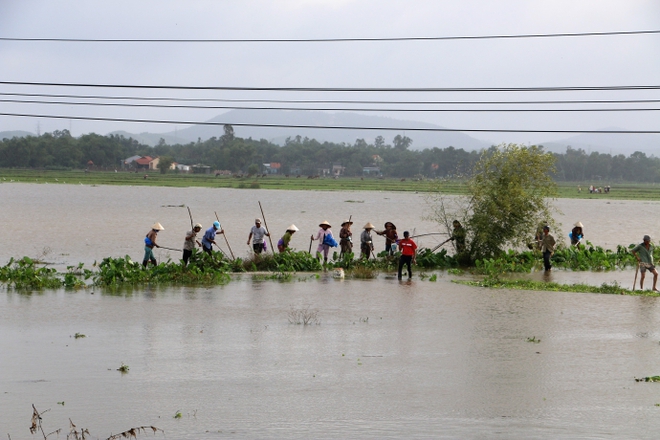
pixel 327 40
pixel 342 89
pixel 233 107
pixel 330 127
pixel 338 101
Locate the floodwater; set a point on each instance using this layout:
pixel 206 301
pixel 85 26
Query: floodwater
pixel 385 359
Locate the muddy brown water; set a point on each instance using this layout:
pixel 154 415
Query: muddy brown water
pixel 386 359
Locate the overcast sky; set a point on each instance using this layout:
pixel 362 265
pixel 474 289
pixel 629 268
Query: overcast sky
pixel 535 62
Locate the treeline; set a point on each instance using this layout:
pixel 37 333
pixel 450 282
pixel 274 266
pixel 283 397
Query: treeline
pixel 60 150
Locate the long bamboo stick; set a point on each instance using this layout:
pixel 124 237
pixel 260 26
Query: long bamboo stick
pixel 224 235
pixel 267 230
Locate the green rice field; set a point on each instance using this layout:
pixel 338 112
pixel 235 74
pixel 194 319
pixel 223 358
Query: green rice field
pixel 624 190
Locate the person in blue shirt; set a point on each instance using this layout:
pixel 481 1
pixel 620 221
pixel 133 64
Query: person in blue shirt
pixel 576 234
pixel 209 237
pixel 150 244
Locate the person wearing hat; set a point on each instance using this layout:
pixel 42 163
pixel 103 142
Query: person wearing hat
pixel 258 231
pixel 283 243
pixel 391 237
pixel 408 253
pixel 547 247
pixel 150 244
pixel 366 242
pixel 576 234
pixel 209 237
pixel 644 254
pixel 326 240
pixel 346 237
pixel 189 243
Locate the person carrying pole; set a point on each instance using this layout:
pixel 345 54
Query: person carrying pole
pixel 644 254
pixel 258 232
pixel 189 243
pixel 458 236
pixel 391 237
pixel 346 237
pixel 150 244
pixel 209 237
pixel 366 242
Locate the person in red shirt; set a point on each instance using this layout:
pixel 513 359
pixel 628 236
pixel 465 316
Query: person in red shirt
pixel 408 250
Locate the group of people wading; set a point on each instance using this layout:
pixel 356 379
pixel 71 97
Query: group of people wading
pixel 324 236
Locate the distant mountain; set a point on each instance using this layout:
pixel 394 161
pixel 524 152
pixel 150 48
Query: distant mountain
pixel 15 133
pixel 614 144
pixel 286 117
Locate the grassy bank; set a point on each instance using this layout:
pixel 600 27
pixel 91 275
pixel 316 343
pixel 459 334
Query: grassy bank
pixel 612 289
pixel 620 191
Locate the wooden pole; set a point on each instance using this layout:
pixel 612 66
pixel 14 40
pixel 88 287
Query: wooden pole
pixel 310 245
pixel 635 282
pixel 191 220
pixel 267 230
pixel 226 241
pixel 440 245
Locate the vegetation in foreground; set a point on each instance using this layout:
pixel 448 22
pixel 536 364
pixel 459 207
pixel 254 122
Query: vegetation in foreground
pixel 607 288
pixel 27 274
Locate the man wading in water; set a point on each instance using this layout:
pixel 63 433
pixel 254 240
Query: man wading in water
pixel 644 254
pixel 547 247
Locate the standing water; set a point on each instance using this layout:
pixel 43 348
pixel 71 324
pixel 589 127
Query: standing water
pixel 379 359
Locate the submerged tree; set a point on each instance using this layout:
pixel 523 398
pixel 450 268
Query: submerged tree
pixel 508 195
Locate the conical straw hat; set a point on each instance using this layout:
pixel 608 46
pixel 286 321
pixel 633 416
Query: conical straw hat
pixel 368 226
pixel 346 221
pixel 292 227
pixel 158 227
pixel 325 223
pixel 579 225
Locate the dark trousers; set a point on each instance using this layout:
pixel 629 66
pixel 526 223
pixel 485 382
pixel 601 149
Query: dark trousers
pixel 258 248
pixel 186 256
pixel 207 250
pixel 546 260
pixel 407 260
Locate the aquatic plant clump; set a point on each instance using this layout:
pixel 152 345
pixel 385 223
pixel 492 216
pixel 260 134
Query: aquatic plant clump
pixel 26 274
pixel 613 288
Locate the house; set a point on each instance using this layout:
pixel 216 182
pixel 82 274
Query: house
pixel 144 162
pixel 338 170
pixel 181 167
pixel 273 167
pixel 201 169
pixel 129 163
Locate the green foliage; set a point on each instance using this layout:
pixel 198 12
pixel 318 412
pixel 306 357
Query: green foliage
pixel 24 274
pixel 435 260
pixel 164 163
pixel 201 269
pixel 509 193
pixel 608 288
pixel 649 379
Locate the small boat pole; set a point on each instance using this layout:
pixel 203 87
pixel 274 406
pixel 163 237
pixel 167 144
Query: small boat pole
pixel 267 230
